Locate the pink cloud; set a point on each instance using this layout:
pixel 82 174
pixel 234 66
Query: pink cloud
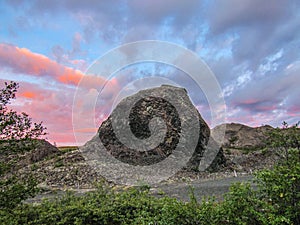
pixel 56 113
pixel 22 60
pixel 28 91
pixel 54 108
pixel 249 101
pixel 53 103
pixel 294 111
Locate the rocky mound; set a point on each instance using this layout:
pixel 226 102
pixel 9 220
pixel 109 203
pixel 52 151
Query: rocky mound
pixel 240 136
pixel 150 114
pixel 40 151
pixel 21 153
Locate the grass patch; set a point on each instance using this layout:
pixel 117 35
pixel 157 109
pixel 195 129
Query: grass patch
pixel 65 149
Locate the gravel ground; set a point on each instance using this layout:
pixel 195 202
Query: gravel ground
pixel 202 189
pixel 179 190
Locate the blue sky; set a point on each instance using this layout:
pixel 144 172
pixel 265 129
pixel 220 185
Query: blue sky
pixel 252 47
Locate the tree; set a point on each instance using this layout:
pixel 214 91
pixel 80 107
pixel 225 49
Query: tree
pixel 281 185
pixel 17 133
pixel 283 139
pixel 15 126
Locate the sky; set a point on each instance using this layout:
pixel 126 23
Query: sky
pixel 251 46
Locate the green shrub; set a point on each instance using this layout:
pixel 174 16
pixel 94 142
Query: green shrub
pixel 13 191
pixel 283 139
pixel 243 205
pixel 281 187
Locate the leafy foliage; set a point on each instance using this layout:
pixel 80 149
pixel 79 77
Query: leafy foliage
pixel 242 205
pixel 13 191
pixel 281 185
pixel 15 126
pixel 283 139
pixel 17 134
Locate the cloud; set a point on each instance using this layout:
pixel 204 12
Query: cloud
pixel 22 60
pixel 53 103
pixel 269 100
pixel 98 18
pixel 69 58
pixel 262 28
pixel 155 11
pixel 58 53
pixel 76 44
pixel 55 108
pixel 252 47
pixel 121 21
pixel 242 13
pixel 52 106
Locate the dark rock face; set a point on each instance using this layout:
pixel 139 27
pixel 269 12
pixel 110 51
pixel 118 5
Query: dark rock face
pixel 219 159
pixel 143 111
pixel 152 105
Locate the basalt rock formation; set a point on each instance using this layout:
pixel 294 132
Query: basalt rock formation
pixel 163 111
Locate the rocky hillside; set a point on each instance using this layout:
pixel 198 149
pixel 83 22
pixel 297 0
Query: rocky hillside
pixel 246 148
pixel 240 136
pixel 243 149
pixel 67 168
pixel 49 165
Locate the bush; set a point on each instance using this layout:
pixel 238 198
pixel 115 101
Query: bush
pixel 133 206
pixel 243 205
pixel 281 187
pixel 13 191
pixel 283 139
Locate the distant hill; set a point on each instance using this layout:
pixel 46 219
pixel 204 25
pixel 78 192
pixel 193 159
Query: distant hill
pixel 240 136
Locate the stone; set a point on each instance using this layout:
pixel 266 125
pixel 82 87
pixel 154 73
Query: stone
pixel 161 102
pixel 215 161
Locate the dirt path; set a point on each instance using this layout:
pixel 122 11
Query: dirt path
pixel 201 188
pixel 179 190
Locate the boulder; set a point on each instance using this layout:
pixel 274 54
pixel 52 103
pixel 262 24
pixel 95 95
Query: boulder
pixel 162 110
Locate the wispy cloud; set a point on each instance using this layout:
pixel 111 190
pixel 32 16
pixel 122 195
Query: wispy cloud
pixel 22 60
